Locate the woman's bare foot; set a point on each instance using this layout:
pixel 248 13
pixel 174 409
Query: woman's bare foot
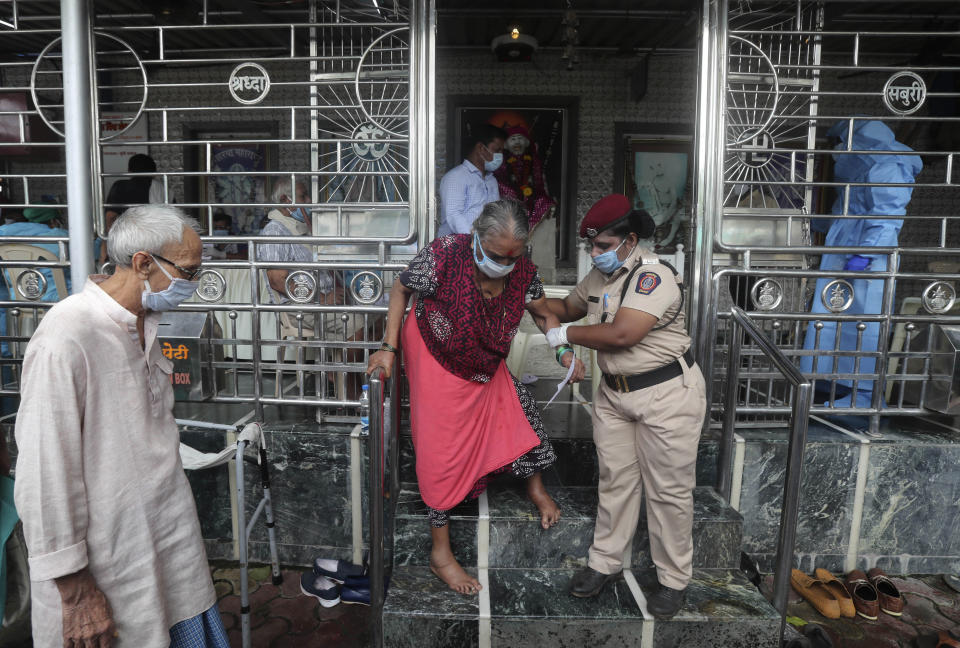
pixel 549 511
pixel 447 569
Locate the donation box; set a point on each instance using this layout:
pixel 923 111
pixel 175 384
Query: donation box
pixel 185 339
pixel 943 388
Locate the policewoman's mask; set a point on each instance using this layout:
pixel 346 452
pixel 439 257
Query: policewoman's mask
pixel 609 261
pixel 487 265
pixel 170 297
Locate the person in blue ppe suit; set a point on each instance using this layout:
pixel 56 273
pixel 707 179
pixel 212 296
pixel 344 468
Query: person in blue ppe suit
pixel 871 201
pixel 40 221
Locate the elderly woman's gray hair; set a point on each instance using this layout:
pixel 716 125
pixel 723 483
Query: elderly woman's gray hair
pixel 503 216
pixel 146 228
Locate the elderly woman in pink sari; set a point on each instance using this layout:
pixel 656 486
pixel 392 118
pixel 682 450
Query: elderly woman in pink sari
pixel 470 418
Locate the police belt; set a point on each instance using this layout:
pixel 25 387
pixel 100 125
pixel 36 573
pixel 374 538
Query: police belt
pixel 648 378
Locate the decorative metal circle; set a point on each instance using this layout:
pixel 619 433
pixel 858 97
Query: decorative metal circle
pixel 385 76
pixel 757 151
pixel 753 91
pixel 300 286
pixel 211 286
pixel 366 287
pixel 904 93
pixel 372 151
pixel 249 83
pixel 47 105
pixel 766 294
pixel 939 297
pixel 108 268
pixel 31 284
pixel 837 295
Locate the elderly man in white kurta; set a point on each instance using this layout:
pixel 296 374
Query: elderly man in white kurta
pixel 116 555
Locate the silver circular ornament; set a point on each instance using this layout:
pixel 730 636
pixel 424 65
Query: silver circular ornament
pixel 904 93
pixel 837 296
pixel 249 83
pixel 766 294
pixel 939 297
pixel 369 151
pixel 366 287
pixel 31 284
pixel 300 286
pixel 211 286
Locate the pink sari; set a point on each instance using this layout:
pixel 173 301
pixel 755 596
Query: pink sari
pixel 462 430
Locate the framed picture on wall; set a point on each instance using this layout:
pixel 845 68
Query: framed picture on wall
pixel 654 169
pixel 537 164
pixel 235 183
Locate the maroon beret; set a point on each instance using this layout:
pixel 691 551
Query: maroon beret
pixel 604 213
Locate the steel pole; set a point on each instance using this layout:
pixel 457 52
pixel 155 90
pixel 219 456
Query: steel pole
pixel 80 132
pixel 375 466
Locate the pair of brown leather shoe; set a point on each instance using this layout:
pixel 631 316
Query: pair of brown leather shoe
pixel 825 593
pixel 873 592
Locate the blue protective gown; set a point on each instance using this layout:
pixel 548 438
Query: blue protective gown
pixel 865 232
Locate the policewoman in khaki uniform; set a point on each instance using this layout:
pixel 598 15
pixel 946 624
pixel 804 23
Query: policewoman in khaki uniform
pixel 650 406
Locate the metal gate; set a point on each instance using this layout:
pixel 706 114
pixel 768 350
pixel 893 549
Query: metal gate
pixel 787 98
pixel 231 100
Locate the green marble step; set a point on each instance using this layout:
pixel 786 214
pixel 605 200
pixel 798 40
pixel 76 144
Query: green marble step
pixel 516 539
pixel 531 607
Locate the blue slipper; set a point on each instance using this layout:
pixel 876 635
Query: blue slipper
pixel 356 593
pixel 338 570
pixel 321 588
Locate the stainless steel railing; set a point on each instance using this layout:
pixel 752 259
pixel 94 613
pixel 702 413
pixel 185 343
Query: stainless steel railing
pixel 800 412
pixel 384 436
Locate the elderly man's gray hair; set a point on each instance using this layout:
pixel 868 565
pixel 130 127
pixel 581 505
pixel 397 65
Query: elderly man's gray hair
pixel 146 228
pixel 281 189
pixel 503 216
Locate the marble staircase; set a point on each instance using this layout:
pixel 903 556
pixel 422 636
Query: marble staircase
pixel 526 570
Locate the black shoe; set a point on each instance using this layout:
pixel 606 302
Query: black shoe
pixel 666 602
pixel 588 582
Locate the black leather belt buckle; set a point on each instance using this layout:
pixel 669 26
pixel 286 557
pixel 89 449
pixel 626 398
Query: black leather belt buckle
pixel 625 384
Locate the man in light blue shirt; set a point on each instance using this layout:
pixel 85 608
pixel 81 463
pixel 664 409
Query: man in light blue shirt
pixel 466 188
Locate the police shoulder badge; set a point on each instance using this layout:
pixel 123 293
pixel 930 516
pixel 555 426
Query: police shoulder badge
pixel 647 282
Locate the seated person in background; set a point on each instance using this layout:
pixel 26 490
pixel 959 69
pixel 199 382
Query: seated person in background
pixel 291 221
pixel 466 188
pixel 296 221
pixel 40 221
pixel 223 226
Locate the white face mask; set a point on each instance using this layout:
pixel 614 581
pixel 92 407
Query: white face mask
pixel 487 265
pixel 170 297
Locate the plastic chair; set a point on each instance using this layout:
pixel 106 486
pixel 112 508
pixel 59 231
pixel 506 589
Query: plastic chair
pixel 193 459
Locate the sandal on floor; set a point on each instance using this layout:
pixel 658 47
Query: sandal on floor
pixel 815 593
pixel 817 635
pixel 943 639
pixel 952 581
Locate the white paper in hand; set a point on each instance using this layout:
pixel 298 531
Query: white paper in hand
pixel 565 382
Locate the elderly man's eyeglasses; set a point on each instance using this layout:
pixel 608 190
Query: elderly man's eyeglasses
pixel 188 274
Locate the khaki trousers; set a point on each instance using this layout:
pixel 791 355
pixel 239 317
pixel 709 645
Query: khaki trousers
pixel 647 441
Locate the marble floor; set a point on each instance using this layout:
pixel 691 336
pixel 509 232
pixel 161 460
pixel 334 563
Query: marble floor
pixel 284 618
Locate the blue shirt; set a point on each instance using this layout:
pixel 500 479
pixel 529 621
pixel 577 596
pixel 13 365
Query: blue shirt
pixel 464 191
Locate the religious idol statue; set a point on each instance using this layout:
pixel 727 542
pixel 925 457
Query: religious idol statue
pixel 521 175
